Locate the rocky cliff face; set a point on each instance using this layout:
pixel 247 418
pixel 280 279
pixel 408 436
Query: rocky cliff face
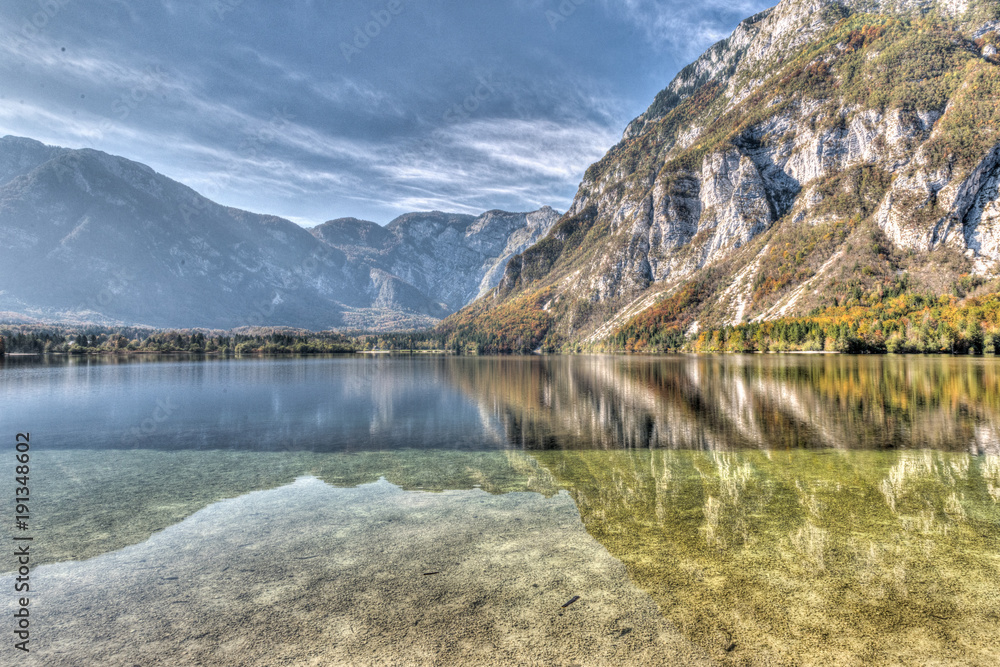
pixel 449 257
pixel 823 142
pixel 87 236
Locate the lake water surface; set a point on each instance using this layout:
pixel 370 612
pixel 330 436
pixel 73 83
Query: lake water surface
pixel 440 510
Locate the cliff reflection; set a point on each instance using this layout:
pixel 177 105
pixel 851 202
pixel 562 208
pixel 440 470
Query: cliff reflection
pixel 733 402
pixel 804 556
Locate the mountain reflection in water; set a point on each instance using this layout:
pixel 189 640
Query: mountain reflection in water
pixel 732 402
pixel 720 403
pixel 805 556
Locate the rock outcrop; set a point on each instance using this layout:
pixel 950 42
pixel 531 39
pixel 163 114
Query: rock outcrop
pixel 817 127
pixel 449 258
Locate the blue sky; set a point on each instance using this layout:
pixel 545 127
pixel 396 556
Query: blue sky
pixel 314 109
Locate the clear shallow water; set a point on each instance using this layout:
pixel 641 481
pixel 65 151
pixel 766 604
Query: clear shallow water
pixel 754 510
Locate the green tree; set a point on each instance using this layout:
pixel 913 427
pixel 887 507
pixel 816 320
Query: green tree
pixel 973 333
pixel 991 342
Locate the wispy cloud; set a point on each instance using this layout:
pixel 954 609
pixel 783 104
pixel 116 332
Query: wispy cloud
pixel 685 28
pixel 258 109
pixel 535 149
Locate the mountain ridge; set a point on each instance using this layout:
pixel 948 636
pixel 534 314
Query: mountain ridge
pixel 823 148
pixel 414 247
pixel 100 238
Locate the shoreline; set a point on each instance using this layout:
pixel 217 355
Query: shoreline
pixel 373 353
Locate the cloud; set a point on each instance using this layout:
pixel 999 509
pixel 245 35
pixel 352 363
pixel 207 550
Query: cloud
pixel 685 28
pixel 258 108
pixel 535 149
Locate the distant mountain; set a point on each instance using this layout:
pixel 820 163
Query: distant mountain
pixel 829 155
pixel 451 258
pixel 18 156
pixel 87 236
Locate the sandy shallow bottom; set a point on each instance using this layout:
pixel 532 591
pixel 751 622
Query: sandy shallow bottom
pixel 309 574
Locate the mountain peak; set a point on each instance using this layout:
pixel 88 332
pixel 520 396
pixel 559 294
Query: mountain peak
pixel 20 155
pixel 826 151
pixel 762 41
pixel 351 231
pixel 10 140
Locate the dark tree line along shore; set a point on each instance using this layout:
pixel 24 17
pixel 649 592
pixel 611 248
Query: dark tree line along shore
pixel 37 339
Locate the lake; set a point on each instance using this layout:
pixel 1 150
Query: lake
pixel 742 510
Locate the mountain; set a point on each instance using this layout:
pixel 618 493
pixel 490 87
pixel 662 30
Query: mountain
pixel 20 156
pixel 453 257
pixel 827 155
pixel 99 238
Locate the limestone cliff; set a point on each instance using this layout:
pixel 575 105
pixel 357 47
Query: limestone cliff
pixel 824 145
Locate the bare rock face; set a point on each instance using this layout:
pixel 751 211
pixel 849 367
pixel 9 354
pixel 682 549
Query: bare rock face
pixel 982 222
pixel 935 207
pixel 853 112
pixel 673 220
pixel 498 236
pixel 448 259
pixel 734 201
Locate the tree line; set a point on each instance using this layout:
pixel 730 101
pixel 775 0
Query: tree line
pixel 907 324
pixel 125 340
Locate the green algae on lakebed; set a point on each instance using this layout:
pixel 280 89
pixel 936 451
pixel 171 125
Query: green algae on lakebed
pixel 805 556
